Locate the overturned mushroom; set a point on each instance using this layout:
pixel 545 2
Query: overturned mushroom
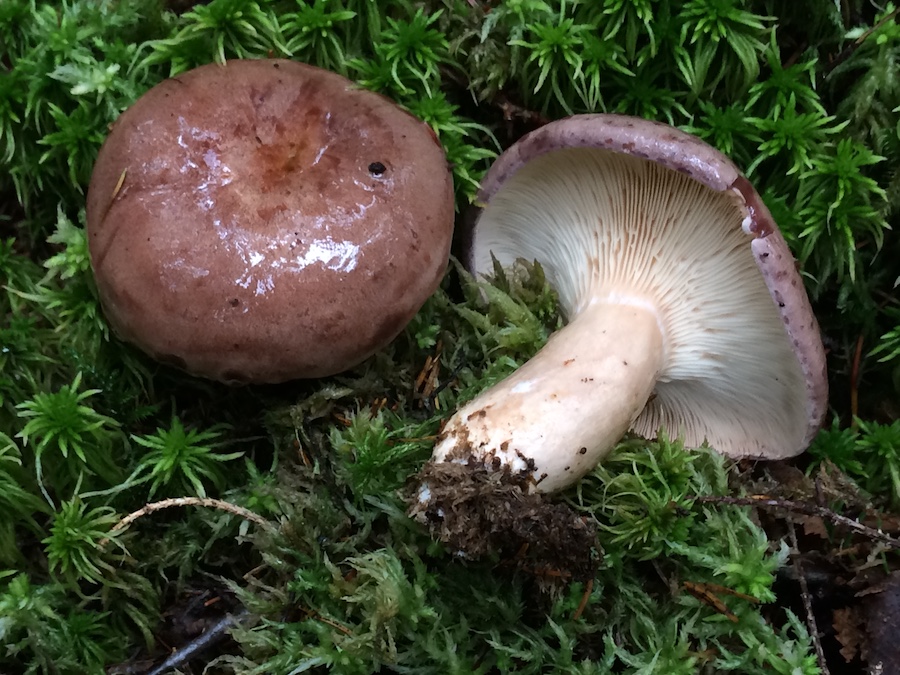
pixel 266 220
pixel 685 311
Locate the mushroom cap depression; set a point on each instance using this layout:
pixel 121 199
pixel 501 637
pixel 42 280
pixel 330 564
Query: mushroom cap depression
pixel 261 221
pixel 622 209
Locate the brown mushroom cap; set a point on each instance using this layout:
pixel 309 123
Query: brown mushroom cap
pixel 266 220
pixel 765 391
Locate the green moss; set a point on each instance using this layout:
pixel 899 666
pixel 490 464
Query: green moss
pixel 802 95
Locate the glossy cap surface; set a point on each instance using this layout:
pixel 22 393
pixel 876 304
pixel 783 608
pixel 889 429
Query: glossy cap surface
pixel 267 220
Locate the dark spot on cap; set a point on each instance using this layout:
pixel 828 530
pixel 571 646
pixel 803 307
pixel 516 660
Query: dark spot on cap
pixel 234 302
pixel 582 451
pixel 377 169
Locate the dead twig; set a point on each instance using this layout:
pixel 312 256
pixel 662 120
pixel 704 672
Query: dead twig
pixel 206 502
pixel 847 52
pixel 708 595
pixel 811 624
pixel 585 598
pixel 427 381
pixel 766 502
pixel 313 614
pixel 218 632
pixel 431 401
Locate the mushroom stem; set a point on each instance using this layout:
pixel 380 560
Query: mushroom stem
pixel 560 413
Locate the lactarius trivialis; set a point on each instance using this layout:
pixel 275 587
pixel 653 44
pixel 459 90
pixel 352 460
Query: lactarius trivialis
pixel 266 220
pixel 685 311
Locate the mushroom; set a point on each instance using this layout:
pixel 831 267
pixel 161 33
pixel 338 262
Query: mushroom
pixel 685 311
pixel 266 220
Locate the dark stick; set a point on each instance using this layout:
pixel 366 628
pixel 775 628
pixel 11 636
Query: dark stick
pixel 214 634
pixel 763 501
pixel 807 602
pixel 847 52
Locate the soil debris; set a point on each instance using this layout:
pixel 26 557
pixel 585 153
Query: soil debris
pixel 480 512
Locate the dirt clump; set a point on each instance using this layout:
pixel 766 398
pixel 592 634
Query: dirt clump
pixel 480 512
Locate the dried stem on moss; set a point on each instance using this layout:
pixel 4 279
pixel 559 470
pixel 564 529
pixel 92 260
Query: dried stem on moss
pixel 766 502
pixel 205 502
